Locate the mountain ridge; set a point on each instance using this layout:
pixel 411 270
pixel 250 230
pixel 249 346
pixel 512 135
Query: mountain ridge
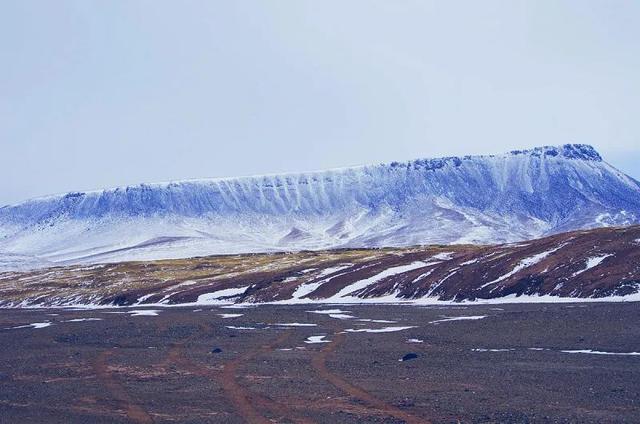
pixel 568 151
pixel 471 199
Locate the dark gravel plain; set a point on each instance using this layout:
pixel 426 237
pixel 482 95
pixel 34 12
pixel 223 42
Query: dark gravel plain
pixel 184 365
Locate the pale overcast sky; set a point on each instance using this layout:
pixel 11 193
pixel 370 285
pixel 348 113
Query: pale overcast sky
pixel 104 93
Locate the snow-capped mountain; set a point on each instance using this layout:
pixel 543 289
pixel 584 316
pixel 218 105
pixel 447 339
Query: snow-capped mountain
pixel 472 199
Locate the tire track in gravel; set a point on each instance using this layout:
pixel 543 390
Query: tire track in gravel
pixel 243 399
pixel 319 363
pixel 134 412
pixel 240 396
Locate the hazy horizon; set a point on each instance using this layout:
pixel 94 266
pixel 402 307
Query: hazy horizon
pixel 97 95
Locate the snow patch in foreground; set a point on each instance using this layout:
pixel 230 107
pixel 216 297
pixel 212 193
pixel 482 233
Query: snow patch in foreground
pixel 230 315
pixel 83 319
pixel 330 311
pixel 443 256
pixel 239 306
pixel 464 318
pixel 599 352
pixel 540 349
pixel 295 324
pixel 144 313
pixel 341 316
pixel 316 339
pixel 377 330
pixel 32 325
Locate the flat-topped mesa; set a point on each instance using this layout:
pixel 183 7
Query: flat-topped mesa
pixel 471 199
pixel 568 151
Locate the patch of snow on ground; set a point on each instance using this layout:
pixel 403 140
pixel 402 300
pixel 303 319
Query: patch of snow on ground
pixel 591 263
pixel 144 313
pixel 444 256
pixel 377 330
pixel 330 311
pixel 513 298
pixel 232 327
pixel 447 319
pixel 492 350
pixel 414 341
pixel 525 263
pixel 230 315
pixel 423 275
pixel 240 306
pixel 371 280
pixel 316 339
pixel 332 270
pixel 216 296
pixel 599 352
pixel 304 289
pixel 33 325
pixel 295 324
pixel 435 286
pixel 145 297
pixel 381 321
pixel 341 316
pixel 83 319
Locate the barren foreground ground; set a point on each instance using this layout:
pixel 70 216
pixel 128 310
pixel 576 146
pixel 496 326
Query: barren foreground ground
pixel 197 366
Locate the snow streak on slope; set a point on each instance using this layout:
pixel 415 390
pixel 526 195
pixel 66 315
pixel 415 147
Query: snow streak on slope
pixel 481 199
pixel 592 262
pixel 549 269
pixel 359 285
pixel 525 263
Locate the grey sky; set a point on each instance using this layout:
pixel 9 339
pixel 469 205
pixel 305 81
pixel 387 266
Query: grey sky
pixel 97 94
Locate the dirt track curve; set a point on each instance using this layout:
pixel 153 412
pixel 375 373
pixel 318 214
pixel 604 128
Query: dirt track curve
pixel 319 362
pixel 133 411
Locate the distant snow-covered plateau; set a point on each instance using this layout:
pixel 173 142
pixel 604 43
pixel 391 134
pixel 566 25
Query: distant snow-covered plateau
pixel 491 199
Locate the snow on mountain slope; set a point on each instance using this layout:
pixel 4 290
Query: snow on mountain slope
pixel 474 199
pixel 601 264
